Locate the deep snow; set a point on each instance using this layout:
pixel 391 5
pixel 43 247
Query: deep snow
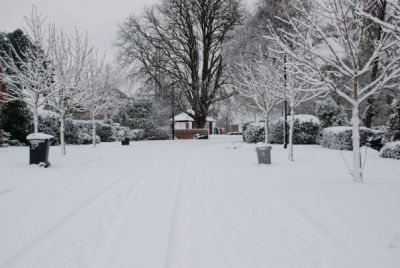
pixel 197 203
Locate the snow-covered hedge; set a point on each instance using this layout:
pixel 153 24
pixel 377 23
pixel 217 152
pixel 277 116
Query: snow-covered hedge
pixel 4 138
pixel 254 133
pixel 105 132
pixel 330 114
pixel 391 150
pixel 79 132
pixel 49 123
pixel 339 138
pixel 306 130
pixel 156 133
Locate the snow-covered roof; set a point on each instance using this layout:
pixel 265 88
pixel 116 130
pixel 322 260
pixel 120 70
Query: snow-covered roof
pixel 39 136
pixel 184 117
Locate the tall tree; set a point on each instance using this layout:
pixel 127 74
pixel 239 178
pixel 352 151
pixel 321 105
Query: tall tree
pixel 258 83
pixel 338 56
pixel 27 73
pixel 182 39
pixel 69 57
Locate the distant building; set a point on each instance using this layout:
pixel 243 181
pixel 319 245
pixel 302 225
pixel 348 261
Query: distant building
pixel 184 121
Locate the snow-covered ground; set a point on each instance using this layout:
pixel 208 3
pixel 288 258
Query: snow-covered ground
pixel 200 203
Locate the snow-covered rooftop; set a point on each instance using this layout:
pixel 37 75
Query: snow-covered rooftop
pixel 185 117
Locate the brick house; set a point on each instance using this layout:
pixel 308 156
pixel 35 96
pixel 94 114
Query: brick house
pixel 184 126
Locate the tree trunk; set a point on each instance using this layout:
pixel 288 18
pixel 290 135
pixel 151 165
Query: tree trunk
pixel 266 127
pixel 35 120
pixel 93 131
pixel 62 135
pixel 200 121
pixel 291 129
pixel 355 122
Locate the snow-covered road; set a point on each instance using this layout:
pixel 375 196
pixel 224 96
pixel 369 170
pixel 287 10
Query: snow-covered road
pixel 183 204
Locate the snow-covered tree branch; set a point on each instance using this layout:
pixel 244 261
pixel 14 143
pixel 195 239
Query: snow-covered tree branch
pixel 28 74
pixel 328 43
pixel 69 57
pixel 256 81
pixel 99 92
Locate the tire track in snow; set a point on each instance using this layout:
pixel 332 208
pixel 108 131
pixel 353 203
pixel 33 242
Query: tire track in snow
pixel 191 190
pixel 218 217
pixel 62 223
pixel 169 257
pixel 52 191
pixel 113 230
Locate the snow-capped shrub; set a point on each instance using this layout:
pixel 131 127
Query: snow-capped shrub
pixel 277 131
pixel 16 119
pixel 4 138
pixel 79 132
pixel 156 133
pixel 254 133
pixel 339 138
pixel 394 122
pixel 105 132
pixel 391 150
pixel 49 123
pixel 330 114
pixel 119 132
pixel 306 130
pixel 136 134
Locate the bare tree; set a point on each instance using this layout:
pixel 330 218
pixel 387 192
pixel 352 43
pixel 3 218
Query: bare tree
pixel 183 39
pixel 258 83
pixel 98 93
pixel 28 74
pixel 296 90
pixel 69 57
pixel 328 57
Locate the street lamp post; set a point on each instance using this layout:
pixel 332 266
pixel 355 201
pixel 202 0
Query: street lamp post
pixel 285 143
pixel 173 112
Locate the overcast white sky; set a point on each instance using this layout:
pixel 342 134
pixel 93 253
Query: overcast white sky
pixel 99 17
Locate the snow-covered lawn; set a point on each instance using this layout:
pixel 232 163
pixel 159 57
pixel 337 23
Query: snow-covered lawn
pixel 182 204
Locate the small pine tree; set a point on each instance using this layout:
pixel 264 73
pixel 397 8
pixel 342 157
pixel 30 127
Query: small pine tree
pixel 394 122
pixel 330 114
pixel 15 118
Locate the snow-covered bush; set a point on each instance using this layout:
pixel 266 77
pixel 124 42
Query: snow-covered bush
pixel 306 129
pixel 105 132
pixel 79 132
pixel 391 150
pixel 119 132
pixel 330 114
pixel 136 134
pixel 394 122
pixel 156 133
pixel 49 123
pixel 339 138
pixel 254 133
pixel 15 118
pixel 4 138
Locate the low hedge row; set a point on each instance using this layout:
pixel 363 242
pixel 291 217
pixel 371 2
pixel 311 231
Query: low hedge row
pixel 340 138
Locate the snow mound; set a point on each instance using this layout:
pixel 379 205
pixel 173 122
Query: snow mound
pixel 39 136
pixel 391 150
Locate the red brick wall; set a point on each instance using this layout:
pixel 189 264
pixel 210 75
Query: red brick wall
pixel 185 134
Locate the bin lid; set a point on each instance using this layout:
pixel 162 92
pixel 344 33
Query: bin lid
pixel 39 136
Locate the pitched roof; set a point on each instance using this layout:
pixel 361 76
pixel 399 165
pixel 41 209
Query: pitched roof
pixel 184 117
